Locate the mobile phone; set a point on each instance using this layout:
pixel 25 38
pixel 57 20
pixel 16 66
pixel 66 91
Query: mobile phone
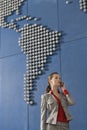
pixel 61 84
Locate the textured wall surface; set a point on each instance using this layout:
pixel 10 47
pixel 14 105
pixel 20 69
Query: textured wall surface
pixel 15 114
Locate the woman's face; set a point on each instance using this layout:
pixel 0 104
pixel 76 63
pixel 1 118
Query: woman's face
pixel 55 80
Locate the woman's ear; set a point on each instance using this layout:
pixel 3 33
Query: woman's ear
pixel 49 81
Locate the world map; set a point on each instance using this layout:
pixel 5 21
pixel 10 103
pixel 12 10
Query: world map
pixel 37 42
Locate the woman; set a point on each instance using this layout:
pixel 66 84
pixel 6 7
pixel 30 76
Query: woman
pixel 54 105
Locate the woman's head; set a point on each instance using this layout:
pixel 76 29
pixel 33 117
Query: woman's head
pixel 53 81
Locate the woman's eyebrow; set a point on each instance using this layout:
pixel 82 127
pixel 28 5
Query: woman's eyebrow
pixel 56 76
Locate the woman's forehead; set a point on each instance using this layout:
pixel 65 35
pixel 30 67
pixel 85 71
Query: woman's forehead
pixel 56 75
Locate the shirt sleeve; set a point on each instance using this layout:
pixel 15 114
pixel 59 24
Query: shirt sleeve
pixel 65 92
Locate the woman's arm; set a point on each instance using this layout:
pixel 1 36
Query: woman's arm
pixel 70 99
pixel 43 112
pixel 67 94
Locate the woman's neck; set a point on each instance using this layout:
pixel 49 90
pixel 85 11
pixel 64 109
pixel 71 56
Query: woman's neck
pixel 54 90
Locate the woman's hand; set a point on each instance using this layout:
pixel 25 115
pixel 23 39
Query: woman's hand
pixel 62 86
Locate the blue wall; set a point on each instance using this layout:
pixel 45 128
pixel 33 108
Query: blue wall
pixel 15 114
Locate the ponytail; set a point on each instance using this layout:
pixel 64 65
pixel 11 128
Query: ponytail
pixel 48 88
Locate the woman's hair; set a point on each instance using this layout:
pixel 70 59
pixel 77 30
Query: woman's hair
pixel 48 88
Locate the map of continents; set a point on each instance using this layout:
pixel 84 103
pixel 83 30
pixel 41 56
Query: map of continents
pixel 37 42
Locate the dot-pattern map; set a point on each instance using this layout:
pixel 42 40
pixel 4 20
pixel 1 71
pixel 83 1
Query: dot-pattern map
pixel 37 42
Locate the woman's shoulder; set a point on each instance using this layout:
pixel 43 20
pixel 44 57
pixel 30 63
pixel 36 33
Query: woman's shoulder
pixel 45 95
